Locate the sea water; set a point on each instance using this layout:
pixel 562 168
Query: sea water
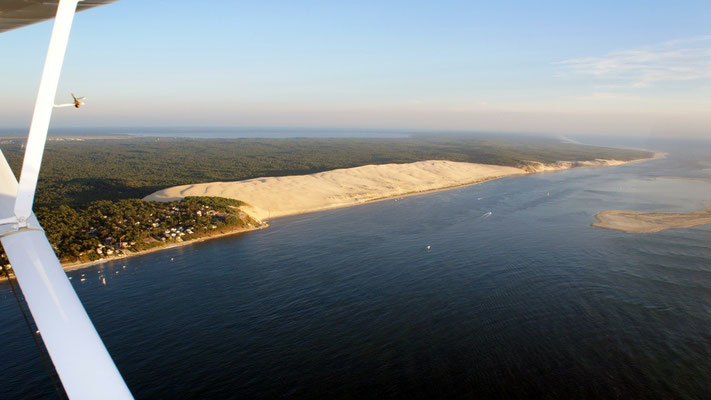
pixel 500 289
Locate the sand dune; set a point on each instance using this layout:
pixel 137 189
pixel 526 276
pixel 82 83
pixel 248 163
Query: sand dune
pixel 273 197
pixel 638 222
pixel 279 196
pixel 536 166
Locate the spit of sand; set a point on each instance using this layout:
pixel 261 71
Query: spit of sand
pixel 638 222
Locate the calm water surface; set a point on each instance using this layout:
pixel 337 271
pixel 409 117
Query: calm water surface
pixel 527 300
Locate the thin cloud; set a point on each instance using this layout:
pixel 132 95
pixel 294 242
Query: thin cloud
pixel 675 60
pixel 609 96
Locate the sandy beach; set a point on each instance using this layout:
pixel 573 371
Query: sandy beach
pixel 638 222
pixel 273 197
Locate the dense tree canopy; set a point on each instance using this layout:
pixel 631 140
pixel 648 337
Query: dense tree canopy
pixel 89 190
pixel 110 228
pixel 76 172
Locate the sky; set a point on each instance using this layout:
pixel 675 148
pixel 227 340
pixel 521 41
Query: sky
pixel 603 67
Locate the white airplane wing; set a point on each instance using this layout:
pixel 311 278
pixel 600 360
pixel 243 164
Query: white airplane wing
pixel 82 362
pixel 77 352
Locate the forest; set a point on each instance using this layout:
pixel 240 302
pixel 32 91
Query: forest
pixel 75 172
pixel 88 196
pixel 105 229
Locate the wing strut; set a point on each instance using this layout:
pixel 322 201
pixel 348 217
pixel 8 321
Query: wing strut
pixel 43 109
pixel 77 352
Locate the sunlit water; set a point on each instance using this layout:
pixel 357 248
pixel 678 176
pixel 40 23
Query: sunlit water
pixel 517 296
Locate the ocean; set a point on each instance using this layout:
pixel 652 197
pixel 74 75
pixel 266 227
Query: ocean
pixel 502 290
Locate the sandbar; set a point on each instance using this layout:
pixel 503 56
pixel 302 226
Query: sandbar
pixel 640 222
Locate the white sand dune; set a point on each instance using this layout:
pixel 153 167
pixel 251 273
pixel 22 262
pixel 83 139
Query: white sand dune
pixel 279 196
pixel 273 197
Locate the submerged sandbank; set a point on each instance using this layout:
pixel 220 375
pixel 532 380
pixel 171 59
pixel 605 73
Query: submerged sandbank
pixel 639 222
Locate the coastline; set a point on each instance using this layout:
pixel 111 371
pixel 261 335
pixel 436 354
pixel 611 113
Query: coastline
pixel 264 221
pixel 273 197
pixel 79 265
pixel 86 264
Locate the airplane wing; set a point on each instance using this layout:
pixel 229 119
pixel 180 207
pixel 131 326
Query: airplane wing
pixel 18 13
pixel 79 356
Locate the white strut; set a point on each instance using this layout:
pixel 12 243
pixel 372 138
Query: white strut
pixel 82 362
pixel 43 108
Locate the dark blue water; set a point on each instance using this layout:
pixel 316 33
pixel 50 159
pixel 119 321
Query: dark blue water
pixel 524 302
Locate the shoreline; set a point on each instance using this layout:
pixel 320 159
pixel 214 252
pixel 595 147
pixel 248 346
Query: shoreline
pixel 72 266
pixel 265 224
pixel 79 265
pixel 264 221
pixel 656 156
pixel 274 197
pixel 409 194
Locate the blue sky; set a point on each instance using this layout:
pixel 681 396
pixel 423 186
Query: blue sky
pixel 564 67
